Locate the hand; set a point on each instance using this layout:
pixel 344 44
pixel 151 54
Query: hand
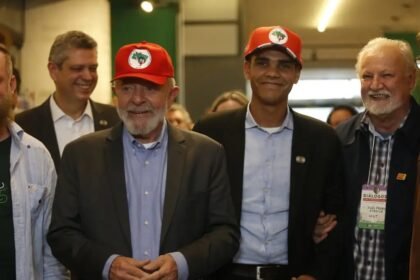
pixel 303 277
pixel 123 268
pixel 324 224
pixel 162 268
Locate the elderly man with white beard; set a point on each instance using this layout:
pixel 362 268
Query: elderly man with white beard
pixel 381 146
pixel 144 199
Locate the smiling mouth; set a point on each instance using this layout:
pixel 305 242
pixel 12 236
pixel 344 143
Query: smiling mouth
pixel 379 96
pixel 139 114
pixel 271 84
pixel 84 87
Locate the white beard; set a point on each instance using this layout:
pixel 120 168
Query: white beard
pixel 378 108
pixel 145 127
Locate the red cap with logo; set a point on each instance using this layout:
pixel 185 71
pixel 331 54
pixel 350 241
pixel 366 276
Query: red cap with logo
pixel 144 60
pixel 275 36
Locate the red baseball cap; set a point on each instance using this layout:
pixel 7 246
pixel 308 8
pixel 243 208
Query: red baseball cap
pixel 144 60
pixel 275 36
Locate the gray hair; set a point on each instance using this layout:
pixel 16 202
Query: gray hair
pixel 376 45
pixel 69 40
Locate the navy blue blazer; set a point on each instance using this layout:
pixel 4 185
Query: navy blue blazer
pixel 400 198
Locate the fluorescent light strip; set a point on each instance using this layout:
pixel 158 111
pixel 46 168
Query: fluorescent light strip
pixel 328 12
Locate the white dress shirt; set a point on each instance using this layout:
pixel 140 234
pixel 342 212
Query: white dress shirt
pixel 68 129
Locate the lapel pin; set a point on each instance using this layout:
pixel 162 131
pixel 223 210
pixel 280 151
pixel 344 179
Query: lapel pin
pixel 103 122
pixel 300 159
pixel 401 176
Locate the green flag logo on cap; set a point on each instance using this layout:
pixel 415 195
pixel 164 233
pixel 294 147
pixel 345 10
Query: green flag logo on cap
pixel 139 58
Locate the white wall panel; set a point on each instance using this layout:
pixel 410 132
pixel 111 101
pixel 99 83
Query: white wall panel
pixel 211 39
pixel 44 23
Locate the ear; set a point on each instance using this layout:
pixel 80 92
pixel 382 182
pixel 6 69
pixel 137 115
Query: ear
pixel 53 70
pixel 297 76
pixel 247 69
pixel 12 84
pixel 173 93
pixel 412 79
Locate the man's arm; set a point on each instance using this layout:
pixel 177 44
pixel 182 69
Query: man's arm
pixel 53 269
pixel 328 250
pixel 66 236
pixel 220 239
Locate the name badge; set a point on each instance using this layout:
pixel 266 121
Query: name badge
pixel 372 207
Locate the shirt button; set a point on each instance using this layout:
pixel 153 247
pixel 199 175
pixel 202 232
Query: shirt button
pixel 146 253
pixel 146 162
pixel 146 193
pixel 146 222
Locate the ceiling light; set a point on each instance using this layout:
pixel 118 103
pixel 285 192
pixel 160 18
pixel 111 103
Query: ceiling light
pixel 147 6
pixel 327 13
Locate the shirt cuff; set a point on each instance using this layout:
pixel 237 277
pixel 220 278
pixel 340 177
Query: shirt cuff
pixel 181 264
pixel 107 267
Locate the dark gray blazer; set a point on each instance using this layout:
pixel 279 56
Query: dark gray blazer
pixel 90 219
pixel 314 184
pixel 38 123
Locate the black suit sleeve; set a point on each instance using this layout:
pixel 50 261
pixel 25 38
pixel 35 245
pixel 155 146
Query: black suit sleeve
pixel 67 236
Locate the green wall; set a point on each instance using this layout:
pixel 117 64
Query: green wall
pixel 130 25
pixel 411 39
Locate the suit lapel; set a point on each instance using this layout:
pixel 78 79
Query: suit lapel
pixel 114 156
pixel 49 138
pixel 298 168
pixel 99 120
pixel 174 175
pixel 234 144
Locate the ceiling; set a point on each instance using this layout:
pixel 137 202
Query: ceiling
pixel 353 21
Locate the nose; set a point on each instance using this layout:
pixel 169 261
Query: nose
pixel 88 74
pixel 272 71
pixel 376 83
pixel 138 96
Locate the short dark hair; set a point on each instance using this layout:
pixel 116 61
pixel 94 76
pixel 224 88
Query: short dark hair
pixel 345 107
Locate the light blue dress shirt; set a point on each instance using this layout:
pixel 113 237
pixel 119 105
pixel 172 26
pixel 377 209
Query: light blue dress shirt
pixel 266 189
pixel 145 177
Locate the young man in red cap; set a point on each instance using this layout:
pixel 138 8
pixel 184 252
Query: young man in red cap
pixel 138 201
pixel 283 168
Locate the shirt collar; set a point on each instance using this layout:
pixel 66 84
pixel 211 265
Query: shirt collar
pixel 251 123
pixel 154 145
pixel 367 124
pixel 57 113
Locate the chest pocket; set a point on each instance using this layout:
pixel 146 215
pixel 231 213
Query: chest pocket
pixel 36 195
